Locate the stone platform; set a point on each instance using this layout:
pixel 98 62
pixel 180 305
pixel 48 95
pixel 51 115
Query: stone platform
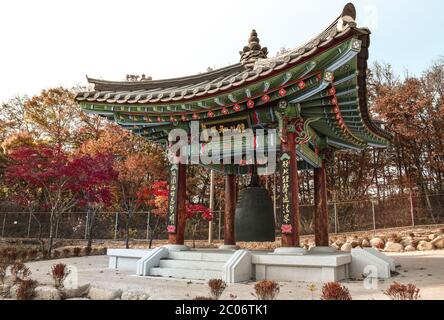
pixel 241 265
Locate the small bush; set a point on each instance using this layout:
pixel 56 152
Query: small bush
pixel 403 292
pixel 217 287
pixel 23 255
pixel 66 252
pixel 56 254
pixel 266 290
pixel 87 251
pixel 45 253
pixel 4 264
pixel 12 255
pixel 335 291
pixel 202 298
pixel 19 272
pixel 59 272
pixel 26 289
pixel 76 251
pixel 32 254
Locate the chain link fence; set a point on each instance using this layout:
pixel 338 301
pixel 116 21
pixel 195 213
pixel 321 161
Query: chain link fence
pixel 351 216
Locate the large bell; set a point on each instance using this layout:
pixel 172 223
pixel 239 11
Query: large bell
pixel 254 220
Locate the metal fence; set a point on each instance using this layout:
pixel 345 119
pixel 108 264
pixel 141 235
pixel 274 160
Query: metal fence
pixel 350 216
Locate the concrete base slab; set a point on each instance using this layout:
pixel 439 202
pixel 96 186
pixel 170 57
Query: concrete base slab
pixel 308 268
pixel 176 247
pixel 322 250
pixel 228 248
pixel 367 264
pixel 125 259
pixel 290 251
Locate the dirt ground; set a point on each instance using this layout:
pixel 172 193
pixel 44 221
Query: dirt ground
pixel 424 269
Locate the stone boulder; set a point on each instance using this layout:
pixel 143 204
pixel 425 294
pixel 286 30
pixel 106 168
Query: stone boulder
pixel 346 247
pixel 425 246
pixel 340 242
pixel 47 293
pixel 104 294
pixel 70 293
pixel 438 242
pixel 354 243
pixel 365 243
pixel 410 248
pixel 135 295
pixel 377 243
pixel 393 247
pixel 407 241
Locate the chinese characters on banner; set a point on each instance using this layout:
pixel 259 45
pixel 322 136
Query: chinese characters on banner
pixel 286 206
pixel 172 199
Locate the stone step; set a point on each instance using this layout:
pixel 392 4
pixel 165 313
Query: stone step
pixel 194 265
pixel 200 256
pixel 179 273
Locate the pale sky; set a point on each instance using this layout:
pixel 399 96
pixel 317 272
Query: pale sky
pixel 48 43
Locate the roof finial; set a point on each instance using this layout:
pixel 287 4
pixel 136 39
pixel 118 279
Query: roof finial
pixel 349 14
pixel 253 51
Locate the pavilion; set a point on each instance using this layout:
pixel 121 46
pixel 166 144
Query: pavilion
pixel 315 96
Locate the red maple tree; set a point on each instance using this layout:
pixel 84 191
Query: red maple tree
pixel 64 181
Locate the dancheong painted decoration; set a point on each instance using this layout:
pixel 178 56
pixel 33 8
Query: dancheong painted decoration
pixel 314 96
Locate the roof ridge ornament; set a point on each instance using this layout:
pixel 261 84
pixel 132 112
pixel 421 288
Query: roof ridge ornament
pixel 348 17
pixel 253 51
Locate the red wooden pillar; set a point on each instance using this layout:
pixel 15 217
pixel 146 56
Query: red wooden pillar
pixel 230 209
pixel 321 210
pixel 292 240
pixel 179 237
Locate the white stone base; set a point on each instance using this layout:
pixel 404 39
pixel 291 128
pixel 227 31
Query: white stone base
pixel 285 264
pixel 290 251
pixel 322 250
pixel 176 247
pixel 228 247
pixel 370 264
pixel 125 259
pixel 308 268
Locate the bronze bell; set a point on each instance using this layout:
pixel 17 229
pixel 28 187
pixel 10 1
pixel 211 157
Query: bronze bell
pixel 254 219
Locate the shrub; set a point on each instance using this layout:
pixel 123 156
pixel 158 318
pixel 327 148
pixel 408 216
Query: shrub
pixel 32 254
pixel 45 253
pixel 66 252
pixel 12 255
pixel 76 251
pixel 87 251
pixel 266 290
pixel 202 298
pixel 59 272
pixel 19 272
pixel 23 255
pixel 56 254
pixel 403 292
pixel 4 264
pixel 217 287
pixel 335 291
pixel 26 289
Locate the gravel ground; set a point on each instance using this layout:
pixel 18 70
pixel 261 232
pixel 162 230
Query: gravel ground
pixel 424 269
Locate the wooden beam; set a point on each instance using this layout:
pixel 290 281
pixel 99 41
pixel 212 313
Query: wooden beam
pixel 179 237
pixel 321 210
pixel 293 239
pixel 230 209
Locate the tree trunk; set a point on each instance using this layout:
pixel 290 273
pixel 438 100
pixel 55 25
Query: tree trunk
pixel 154 232
pixel 52 219
pixel 127 229
pixel 91 221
